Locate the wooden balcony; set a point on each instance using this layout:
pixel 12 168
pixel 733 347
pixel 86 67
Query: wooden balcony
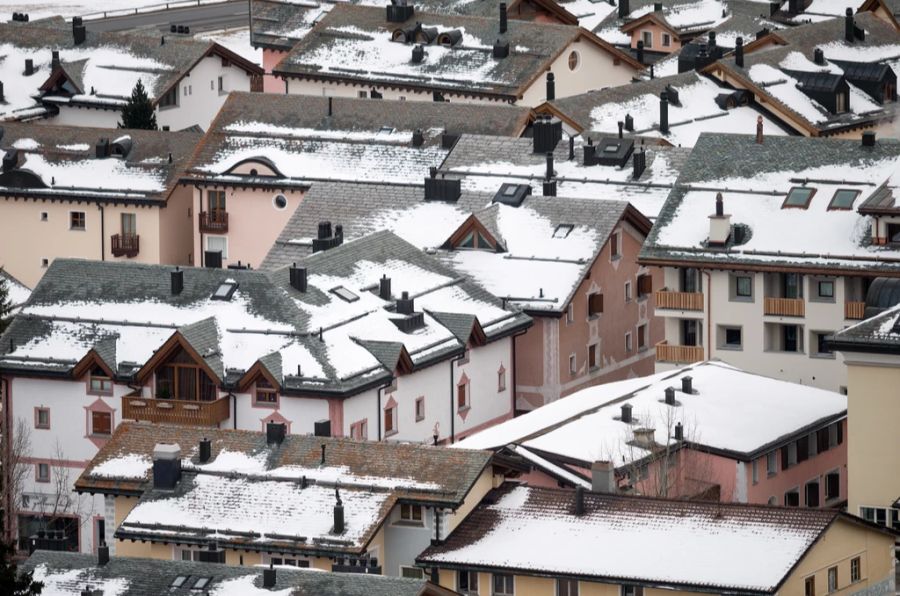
pixel 785 307
pixel 173 411
pixel 678 354
pixel 854 311
pixel 679 300
pixel 125 245
pixel 215 222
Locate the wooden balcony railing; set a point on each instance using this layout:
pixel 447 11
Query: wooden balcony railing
pixel 787 307
pixel 679 300
pixel 854 310
pixel 214 221
pixel 174 411
pixel 678 354
pixel 125 245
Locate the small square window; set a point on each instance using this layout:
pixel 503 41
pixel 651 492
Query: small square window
pixel 843 199
pixel 666 40
pixel 43 473
pixel 101 423
pixel 363 94
pixel 411 514
pixel 826 289
pixel 792 498
pixel 502 584
pixel 743 286
pixel 733 337
pixel 628 345
pixel 45 263
pixel 799 197
pixel 42 418
pixel 76 220
pixel 43 216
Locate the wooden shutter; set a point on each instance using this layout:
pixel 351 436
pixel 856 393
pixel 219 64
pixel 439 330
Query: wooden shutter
pixel 101 423
pixel 645 285
pixel 595 304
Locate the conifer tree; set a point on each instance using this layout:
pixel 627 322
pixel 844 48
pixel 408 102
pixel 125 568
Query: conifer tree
pixel 12 581
pixel 5 303
pixel 138 112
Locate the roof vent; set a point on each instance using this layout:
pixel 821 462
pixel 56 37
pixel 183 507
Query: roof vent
pixel 275 433
pixel 10 160
pixel 29 67
pixel 640 163
pixel 269 574
pixel 645 437
pixel 418 53
pixel 166 466
pixel 299 277
pixel 54 58
pixel 338 513
pixel 868 139
pixel 679 432
pixel 819 56
pixel 405 304
pixel 603 477
pixel 442 189
pixel 670 396
pixel 547 133
pixel 399 11
pixel 450 38
pixel 205 450
pixel 121 147
pixel 177 281
pixel 384 287
pixel 501 48
pixel 327 239
pixel 687 385
pixel 626 413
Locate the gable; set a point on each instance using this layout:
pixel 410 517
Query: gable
pixel 255 166
pixel 472 234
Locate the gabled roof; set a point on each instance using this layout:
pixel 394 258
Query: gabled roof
pixel 879 334
pixel 891 7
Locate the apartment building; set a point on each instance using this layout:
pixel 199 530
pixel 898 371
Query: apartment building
pixel 677 434
pixel 767 247
pixel 547 542
pixel 180 493
pixel 104 194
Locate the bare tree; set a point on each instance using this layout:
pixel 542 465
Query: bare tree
pixel 14 450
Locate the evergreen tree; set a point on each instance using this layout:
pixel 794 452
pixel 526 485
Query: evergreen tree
pixel 11 581
pixel 138 112
pixel 5 303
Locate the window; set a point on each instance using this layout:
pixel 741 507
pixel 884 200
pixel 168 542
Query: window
pixel 225 290
pixel 99 383
pixel 43 216
pixel 462 396
pixel 644 285
pixel 628 590
pixel 570 314
pixel 573 60
pixel 288 561
pixel 792 285
pixel 45 263
pixel 561 231
pixel 42 418
pixel 809 586
pixel 843 199
pixel 217 244
pixel 76 220
pixel 42 473
pixel 773 500
pixel 628 345
pixel 411 514
pixel 771 464
pixel 666 40
pixel 690 280
pixel 503 584
pixel 647 38
pixel 390 421
pixel 573 364
pixel 855 574
pixel 501 380
pixel 627 291
pixel 792 498
pixel 821 345
pixel 129 224
pixel 170 99
pixel 798 197
pixel 879 515
pixel 101 423
pixel 690 332
pixel 221 85
pixel 743 286
pixel 181 378
pixel 265 393
pixel 344 294
pixel 280 202
pixel 567 587
pixel 216 201
pixel 201 583
pixel 359 430
pixel 825 289
pixel 791 338
pixel 754 468
pixel 812 493
pixel 412 572
pixel 593 359
pixel 733 337
pixel 832 579
pixel 615 248
pixel 642 336
pixel 840 103
pixel 420 409
pixel 467 582
pixel 832 485
pixel 595 304
pixel 835 434
pixel 363 94
pixel 178 581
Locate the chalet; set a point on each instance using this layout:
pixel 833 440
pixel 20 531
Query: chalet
pixel 180 494
pixel 106 194
pixel 547 542
pixel 768 245
pixel 263 152
pixel 670 435
pixel 363 51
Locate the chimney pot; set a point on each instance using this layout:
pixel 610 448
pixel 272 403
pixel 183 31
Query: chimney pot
pixel 720 205
pixel 687 385
pixel 384 288
pixel 205 450
pixel 405 304
pixel 624 10
pixel 603 477
pixel 739 52
pixel 503 17
pixel 322 461
pixel 579 500
pixel 54 58
pixel 849 25
pixel 639 159
pixel 670 396
pixel 551 86
pixel 177 279
pixel 330 106
pixel 759 130
pixel 166 466
pixel 626 413
pixel 664 112
pixel 418 139
pixel 819 56
pixel 679 432
pixel 102 554
pixel 549 173
pixel 269 577
pixel 338 514
pixel 621 126
pixel 29 67
pixel 719 224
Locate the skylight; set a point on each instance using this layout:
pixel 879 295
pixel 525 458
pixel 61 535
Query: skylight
pixel 178 581
pixel 799 197
pixel 843 198
pixel 344 294
pixel 201 583
pixel 225 290
pixel 386 130
pixel 563 230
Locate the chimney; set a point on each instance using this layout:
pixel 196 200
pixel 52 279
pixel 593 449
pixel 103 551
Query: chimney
pixel 102 554
pixel 442 189
pixel 759 130
pixel 739 52
pixel 657 7
pixel 546 133
pixel 330 106
pixel 418 139
pixel 54 58
pixel 10 160
pixel 644 437
pixel 338 513
pixel 579 500
pixel 687 385
pixel 640 163
pixel 275 432
pixel 849 25
pixel 603 477
pixel 626 413
pixel 322 461
pixel 2 97
pixel 549 171
pixel 418 53
pixel 399 11
pixel 435 575
pixel 621 126
pixel 205 450
pixel 269 577
pixel 503 18
pixel 640 51
pixel 794 7
pixel 571 138
pixel 326 238
pixel 624 11
pixel 868 138
pixel 501 48
pixel 29 67
pixel 590 153
pixel 551 86
pixel 384 287
pixel 629 123
pixel 819 56
pixel 299 277
pixel 102 148
pixel 719 224
pixel 405 304
pixel 549 188
pixel 79 35
pixel 177 278
pixel 670 396
pixel 679 432
pixel 166 466
pixel 664 113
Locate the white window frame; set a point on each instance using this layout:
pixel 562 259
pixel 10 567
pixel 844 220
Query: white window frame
pixel 215 237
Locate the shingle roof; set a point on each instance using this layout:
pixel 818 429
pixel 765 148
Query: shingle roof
pixel 879 334
pixel 69 573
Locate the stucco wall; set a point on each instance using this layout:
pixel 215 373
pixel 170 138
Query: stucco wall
pixel 199 98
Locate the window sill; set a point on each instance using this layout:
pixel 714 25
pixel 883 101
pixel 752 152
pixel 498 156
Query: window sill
pixel 744 299
pixel 390 433
pixel 420 418
pixel 731 348
pixel 265 404
pixel 41 427
pixel 100 393
pixel 643 348
pixel 822 356
pixel 594 316
pixel 77 229
pixel 99 436
pixel 164 108
pixel 403 523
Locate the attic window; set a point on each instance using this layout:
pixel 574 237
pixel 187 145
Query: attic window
pixel 344 294
pixel 843 199
pixel 563 230
pixel 201 583
pixel 225 290
pixel 799 197
pixel 474 239
pixel 178 581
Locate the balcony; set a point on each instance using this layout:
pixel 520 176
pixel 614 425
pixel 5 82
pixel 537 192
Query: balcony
pixel 173 411
pixel 679 300
pixel 125 245
pixel 215 222
pixel 785 307
pixel 678 354
pixel 854 311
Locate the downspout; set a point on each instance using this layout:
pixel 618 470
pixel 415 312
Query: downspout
pixel 234 409
pixel 453 398
pixel 708 314
pixel 102 232
pixel 514 370
pixel 197 213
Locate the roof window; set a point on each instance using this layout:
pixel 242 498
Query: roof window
pixel 201 584
pixel 843 199
pixel 344 294
pixel 563 230
pixel 386 130
pixel 798 197
pixel 225 290
pixel 179 581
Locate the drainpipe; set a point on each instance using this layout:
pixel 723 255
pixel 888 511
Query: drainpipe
pixel 234 409
pixel 199 208
pixel 453 398
pixel 102 233
pixel 709 314
pixel 513 371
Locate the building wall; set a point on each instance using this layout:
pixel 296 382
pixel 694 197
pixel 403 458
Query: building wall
pixel 657 42
pixel 175 235
pixel 403 542
pixel 300 413
pixel 199 98
pixel 270 59
pixel 481 487
pixel 71 115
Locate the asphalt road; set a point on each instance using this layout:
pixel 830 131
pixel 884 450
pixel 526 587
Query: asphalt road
pixel 199 18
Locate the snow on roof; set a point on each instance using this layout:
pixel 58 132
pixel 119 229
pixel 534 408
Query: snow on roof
pixel 585 425
pixel 704 13
pixel 132 466
pixel 18 292
pixel 59 582
pixel 590 13
pixel 713 545
pixel 245 586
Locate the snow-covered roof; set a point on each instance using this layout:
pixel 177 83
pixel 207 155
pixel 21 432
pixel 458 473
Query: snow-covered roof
pixel 706 546
pixel 305 340
pixel 17 292
pixel 879 334
pixel 586 426
pixel 754 180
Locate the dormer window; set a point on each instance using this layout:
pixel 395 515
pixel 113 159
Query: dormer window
pixel 563 230
pixel 99 382
pixel 225 290
pixel 266 394
pixel 474 239
pixel 843 199
pixel 798 197
pixel 840 102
